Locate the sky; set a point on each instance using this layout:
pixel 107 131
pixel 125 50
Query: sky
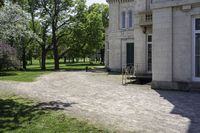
pixel 90 2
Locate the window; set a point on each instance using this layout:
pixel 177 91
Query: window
pixel 149 53
pixel 149 38
pixel 197 55
pixel 130 18
pixel 123 19
pixel 197 24
pixel 196 48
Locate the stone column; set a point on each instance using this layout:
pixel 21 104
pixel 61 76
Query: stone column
pixel 162 47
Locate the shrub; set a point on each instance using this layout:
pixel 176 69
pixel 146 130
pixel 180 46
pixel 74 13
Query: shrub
pixel 8 57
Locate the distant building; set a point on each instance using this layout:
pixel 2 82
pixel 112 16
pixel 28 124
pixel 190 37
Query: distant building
pixel 158 37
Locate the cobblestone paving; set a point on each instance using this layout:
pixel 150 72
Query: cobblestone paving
pixel 102 99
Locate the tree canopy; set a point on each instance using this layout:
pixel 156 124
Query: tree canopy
pixel 65 28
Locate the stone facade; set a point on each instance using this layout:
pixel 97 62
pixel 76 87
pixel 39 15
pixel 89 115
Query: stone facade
pixel 117 38
pixel 173 39
pixel 175 42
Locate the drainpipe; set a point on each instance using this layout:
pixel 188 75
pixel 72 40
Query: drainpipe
pixel 172 45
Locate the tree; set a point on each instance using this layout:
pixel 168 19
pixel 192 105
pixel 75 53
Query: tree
pixel 87 29
pixel 8 57
pixel 102 20
pixel 78 29
pixel 59 13
pixel 15 30
pixel 102 9
pixel 1 3
pixel 40 25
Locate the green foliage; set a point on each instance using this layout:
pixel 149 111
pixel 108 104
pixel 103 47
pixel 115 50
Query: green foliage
pixel 67 28
pixel 101 9
pixel 20 115
pixel 1 3
pixel 8 57
pixel 87 30
pixel 14 23
pixel 94 31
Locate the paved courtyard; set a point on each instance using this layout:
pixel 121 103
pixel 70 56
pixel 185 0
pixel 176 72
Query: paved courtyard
pixel 102 99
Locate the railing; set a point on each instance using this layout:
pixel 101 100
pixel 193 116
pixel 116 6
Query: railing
pixel 146 18
pixel 131 71
pixel 127 73
pixel 140 69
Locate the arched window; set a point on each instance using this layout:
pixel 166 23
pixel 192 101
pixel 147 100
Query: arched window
pixel 123 19
pixel 130 19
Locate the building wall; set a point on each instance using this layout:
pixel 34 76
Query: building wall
pixel 182 33
pixel 140 38
pixel 173 43
pixel 172 40
pixel 162 44
pixel 182 45
pixel 118 37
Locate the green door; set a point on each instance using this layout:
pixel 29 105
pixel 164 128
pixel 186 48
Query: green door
pixel 130 54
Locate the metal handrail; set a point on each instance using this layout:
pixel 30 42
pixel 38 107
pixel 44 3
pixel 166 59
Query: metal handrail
pixel 127 73
pixel 131 70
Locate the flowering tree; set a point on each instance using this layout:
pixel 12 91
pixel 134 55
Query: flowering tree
pixel 13 22
pixel 15 29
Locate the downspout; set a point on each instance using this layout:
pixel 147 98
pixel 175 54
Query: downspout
pixel 172 45
pixel 121 55
pixel 146 46
pixel 119 24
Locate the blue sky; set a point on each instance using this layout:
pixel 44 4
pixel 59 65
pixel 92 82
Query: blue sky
pixel 89 2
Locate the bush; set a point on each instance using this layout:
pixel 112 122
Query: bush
pixel 8 57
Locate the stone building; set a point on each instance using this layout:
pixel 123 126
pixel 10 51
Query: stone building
pixel 158 37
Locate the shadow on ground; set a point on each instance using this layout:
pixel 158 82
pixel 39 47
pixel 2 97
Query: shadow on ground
pixel 3 74
pixel 186 104
pixel 14 113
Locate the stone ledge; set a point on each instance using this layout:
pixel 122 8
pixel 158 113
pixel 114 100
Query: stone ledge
pixel 182 86
pixel 165 4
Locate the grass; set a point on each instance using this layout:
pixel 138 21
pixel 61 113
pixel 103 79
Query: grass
pixel 33 71
pixel 63 66
pixel 21 115
pixel 21 76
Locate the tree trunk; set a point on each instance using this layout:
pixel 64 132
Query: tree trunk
pixel 31 61
pixel 65 60
pixel 102 56
pixel 24 58
pixel 56 58
pixel 84 59
pixel 55 48
pixel 43 63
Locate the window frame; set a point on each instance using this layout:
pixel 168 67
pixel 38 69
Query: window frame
pixel 123 20
pixel 130 15
pixel 147 46
pixel 194 31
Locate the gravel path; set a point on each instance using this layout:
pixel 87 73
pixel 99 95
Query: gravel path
pixel 102 99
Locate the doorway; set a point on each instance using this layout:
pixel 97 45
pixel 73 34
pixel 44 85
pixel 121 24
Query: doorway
pixel 130 54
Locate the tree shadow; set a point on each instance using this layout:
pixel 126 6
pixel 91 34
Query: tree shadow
pixel 4 74
pixel 186 104
pixel 14 114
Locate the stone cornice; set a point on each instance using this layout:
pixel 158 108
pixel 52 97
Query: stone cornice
pixel 119 1
pixel 173 3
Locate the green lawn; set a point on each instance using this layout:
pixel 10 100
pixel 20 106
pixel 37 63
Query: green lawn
pixel 21 76
pixel 20 115
pixel 33 71
pixel 63 66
